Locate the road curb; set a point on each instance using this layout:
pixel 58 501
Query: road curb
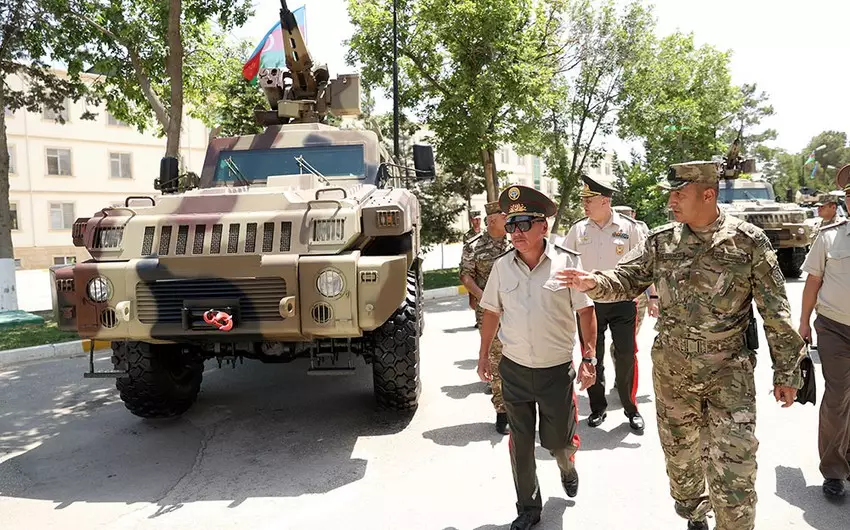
pixel 68 350
pixel 444 292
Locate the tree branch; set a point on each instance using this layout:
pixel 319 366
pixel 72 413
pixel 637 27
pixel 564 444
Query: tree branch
pixel 427 75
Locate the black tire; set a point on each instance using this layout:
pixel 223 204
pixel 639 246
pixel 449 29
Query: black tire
pixel 162 383
pixel 395 360
pixel 791 261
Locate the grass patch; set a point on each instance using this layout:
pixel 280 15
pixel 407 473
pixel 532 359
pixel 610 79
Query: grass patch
pixel 442 278
pixel 34 335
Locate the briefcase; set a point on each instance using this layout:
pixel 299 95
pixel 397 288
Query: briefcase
pixel 807 394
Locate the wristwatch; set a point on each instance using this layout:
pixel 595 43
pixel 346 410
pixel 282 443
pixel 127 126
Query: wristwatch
pixel 653 297
pixel 589 360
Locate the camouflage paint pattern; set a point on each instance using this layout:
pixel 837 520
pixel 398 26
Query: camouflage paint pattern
pixel 479 255
pixel 258 250
pixel 702 370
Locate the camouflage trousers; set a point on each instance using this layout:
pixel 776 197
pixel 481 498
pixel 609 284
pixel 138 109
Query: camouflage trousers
pixel 706 410
pixel 495 359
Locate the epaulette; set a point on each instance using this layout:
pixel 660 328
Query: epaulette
pixel 472 239
pixel 630 218
pixel 505 253
pixel 663 228
pixel 565 249
pixel 834 225
pixel 751 230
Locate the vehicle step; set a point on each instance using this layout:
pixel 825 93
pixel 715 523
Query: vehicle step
pixel 331 371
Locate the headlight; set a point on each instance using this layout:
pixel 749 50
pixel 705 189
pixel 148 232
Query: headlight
pixel 99 289
pixel 330 283
pixel 801 231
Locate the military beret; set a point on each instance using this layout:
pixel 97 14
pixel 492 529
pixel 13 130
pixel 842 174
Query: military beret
pixel 842 178
pixel 593 188
pixel 697 172
pixel 492 207
pixel 522 201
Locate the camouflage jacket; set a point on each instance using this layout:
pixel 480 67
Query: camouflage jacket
pixel 706 289
pixel 479 254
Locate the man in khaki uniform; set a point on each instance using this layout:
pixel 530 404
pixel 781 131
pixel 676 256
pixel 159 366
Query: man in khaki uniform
pixel 603 238
pixel 828 291
pixel 708 268
pixel 476 262
pixel 535 318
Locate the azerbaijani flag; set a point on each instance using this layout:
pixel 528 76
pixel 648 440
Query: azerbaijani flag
pixel 269 52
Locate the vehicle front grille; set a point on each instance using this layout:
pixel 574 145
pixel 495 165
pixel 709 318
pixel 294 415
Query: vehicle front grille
pixel 239 238
pixel 161 302
pixel 768 219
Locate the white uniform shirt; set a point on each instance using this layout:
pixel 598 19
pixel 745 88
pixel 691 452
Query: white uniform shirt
pixel 829 258
pixel 538 324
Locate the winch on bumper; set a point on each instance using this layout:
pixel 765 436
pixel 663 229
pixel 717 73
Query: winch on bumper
pixel 269 297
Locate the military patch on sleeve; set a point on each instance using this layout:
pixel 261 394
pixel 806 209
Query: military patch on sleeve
pixel 777 276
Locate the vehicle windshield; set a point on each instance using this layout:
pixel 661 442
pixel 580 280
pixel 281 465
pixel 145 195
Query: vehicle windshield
pixel 745 194
pixel 332 161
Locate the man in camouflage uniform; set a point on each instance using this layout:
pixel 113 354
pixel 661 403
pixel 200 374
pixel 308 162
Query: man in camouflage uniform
pixel 708 268
pixel 474 230
pixel 477 260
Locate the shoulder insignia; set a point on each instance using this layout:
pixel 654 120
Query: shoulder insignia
pixel 565 249
pixel 662 228
pixel 505 253
pixel 577 222
pixel 750 230
pixel 472 239
pixel 834 225
pixel 632 219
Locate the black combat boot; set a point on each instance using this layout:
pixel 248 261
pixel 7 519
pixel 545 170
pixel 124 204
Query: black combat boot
pixel 502 423
pixel 697 525
pixel 834 488
pixel 596 418
pixel 525 521
pixel 570 482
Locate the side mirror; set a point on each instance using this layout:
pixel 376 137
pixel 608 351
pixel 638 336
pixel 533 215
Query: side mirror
pixel 423 162
pixel 169 174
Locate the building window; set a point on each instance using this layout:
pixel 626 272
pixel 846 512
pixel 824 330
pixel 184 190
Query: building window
pixel 58 161
pixel 50 114
pixel 505 155
pixel 13 163
pixel 119 166
pixel 9 112
pixel 64 260
pixel 13 214
pixel 112 120
pixel 607 169
pixel 62 215
pixel 18 264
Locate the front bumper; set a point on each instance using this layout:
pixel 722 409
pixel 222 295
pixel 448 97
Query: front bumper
pixel 788 236
pixel 273 297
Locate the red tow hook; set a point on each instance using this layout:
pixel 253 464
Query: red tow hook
pixel 219 319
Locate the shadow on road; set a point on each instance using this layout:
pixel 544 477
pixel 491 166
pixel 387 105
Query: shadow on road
pixel 464 391
pixel 552 517
pixel 256 431
pixel 463 435
pixel 467 364
pixel 460 329
pixel 819 512
pixel 455 303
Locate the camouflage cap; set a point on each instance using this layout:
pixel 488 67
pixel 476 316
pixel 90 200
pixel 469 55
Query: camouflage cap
pixel 492 207
pixel 475 213
pixel 842 178
pixel 522 201
pixel 696 172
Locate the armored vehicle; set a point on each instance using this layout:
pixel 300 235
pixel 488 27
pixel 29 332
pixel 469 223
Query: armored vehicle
pixel 296 242
pixel 788 226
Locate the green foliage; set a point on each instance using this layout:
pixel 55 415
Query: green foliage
pixel 636 187
pixel 32 35
pixel 479 70
pixel 153 53
pixel 441 278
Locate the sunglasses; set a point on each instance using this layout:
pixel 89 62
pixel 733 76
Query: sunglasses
pixel 523 226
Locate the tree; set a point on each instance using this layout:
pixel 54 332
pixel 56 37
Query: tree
pixel 750 110
pixel 31 35
pixel 829 159
pixel 479 69
pixel 604 44
pixel 152 55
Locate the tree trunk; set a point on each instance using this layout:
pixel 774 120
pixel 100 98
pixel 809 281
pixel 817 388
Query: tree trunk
pixel 8 284
pixel 174 65
pixel 489 159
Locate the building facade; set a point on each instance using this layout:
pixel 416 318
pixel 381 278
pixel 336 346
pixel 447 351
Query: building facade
pixel 59 172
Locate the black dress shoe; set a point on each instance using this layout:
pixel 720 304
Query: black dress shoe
pixel 502 423
pixel 525 521
pixel 635 421
pixel 697 525
pixel 833 487
pixel 596 418
pixel 570 482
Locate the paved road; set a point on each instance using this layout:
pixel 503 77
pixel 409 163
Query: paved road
pixel 267 446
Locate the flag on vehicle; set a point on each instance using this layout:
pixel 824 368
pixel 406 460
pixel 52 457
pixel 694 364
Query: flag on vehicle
pixel 269 51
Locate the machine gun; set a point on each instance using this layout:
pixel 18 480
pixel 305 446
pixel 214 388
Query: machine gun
pixel 300 94
pixel 733 163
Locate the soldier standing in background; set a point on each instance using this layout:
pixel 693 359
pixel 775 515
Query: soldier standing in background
pixel 708 267
pixel 477 260
pixel 828 289
pixel 538 329
pixel 474 230
pixel 602 238
pixel 827 210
